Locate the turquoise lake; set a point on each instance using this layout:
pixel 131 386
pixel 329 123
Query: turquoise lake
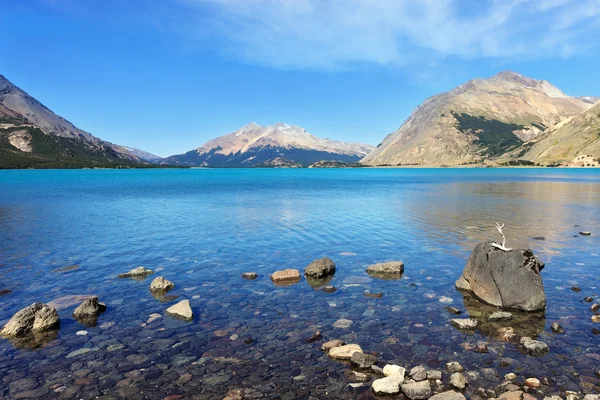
pixel 202 228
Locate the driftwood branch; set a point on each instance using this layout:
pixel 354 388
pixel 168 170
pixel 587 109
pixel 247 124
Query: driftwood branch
pixel 503 245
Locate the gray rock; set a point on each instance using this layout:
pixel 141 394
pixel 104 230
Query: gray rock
pixel 181 310
pixel 387 268
pixel 507 279
pixel 250 275
pixel 138 272
pixel 89 309
pixel 434 375
pixel 81 351
pixel 454 367
pixel 342 323
pixel 458 381
pixel 592 397
pixel 449 395
pixel 388 385
pixel 417 391
pixel 500 316
pixel 331 344
pixel 161 285
pixel 452 310
pixel 320 268
pixel 534 347
pixel 585 233
pixel 418 373
pixel 363 361
pixel 557 328
pixel 464 323
pixel 377 370
pixel 38 317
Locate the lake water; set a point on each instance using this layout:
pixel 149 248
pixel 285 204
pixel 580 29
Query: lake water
pixel 203 228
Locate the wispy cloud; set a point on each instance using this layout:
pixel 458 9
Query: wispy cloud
pixel 331 34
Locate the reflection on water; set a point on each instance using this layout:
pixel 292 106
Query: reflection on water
pixel 202 228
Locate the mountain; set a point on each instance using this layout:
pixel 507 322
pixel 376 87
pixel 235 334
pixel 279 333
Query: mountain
pixel 577 136
pixel 480 120
pixel 255 145
pixel 31 135
pixel 143 155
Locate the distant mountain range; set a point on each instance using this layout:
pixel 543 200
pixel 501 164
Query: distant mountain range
pixel 502 119
pixel 508 119
pixel 255 145
pixel 33 136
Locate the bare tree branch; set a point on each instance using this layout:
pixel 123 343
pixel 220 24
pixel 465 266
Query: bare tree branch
pixel 503 245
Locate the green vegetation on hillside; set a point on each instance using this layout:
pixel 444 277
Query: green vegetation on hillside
pixel 56 152
pixel 493 137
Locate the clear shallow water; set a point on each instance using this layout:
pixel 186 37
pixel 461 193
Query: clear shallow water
pixel 203 228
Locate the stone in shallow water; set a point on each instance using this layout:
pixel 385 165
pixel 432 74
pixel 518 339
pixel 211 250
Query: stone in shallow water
pixel 342 323
pixel 388 385
pixel 418 373
pixel 90 309
pixel 500 316
pixel 286 276
pixel 464 323
pixel 557 328
pixel 445 299
pixel 452 310
pixel 81 351
pixel 454 367
pixel 344 352
pixel 387 268
pixel 138 272
pixel 363 361
pixel 533 382
pixel 391 370
pixel 331 344
pixel 585 233
pixel 417 390
pixel 161 285
pixel 458 381
pixel 81 333
pixel 250 275
pixel 320 268
pixel 534 347
pixel 449 395
pixel 181 310
pixel 38 317
pixel 434 375
pixel 507 279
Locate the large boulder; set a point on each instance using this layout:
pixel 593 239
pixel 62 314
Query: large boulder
pixel 38 317
pixel 320 268
pixel 506 279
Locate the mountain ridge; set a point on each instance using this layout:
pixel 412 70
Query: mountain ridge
pixel 254 144
pixel 477 121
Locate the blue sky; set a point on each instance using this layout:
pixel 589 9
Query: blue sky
pixel 167 75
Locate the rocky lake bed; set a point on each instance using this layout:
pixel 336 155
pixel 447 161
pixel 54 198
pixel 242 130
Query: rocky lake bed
pixel 211 322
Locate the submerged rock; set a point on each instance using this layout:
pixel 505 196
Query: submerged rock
pixel 557 328
pixel 417 391
pixel 534 347
pixel 88 311
pixel 314 337
pixel 363 361
pixel 331 344
pixel 342 323
pixel 387 268
pixel 181 310
pixel 464 323
pixel 138 272
pixel 500 316
pixel 454 367
pixel 161 285
pixel 250 275
pixel 585 233
pixel 286 276
pixel 38 317
pixel 449 395
pixel 320 268
pixel 458 381
pixel 452 310
pixel 388 385
pixel 344 352
pixel 418 373
pixel 507 279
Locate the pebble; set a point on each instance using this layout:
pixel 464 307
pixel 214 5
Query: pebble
pixel 588 299
pixel 331 344
pixel 510 376
pixel 454 367
pixel 452 310
pixel 576 289
pixel 500 316
pixel 458 381
pixel 81 333
pixel 445 299
pixel 344 352
pixel 464 323
pixel 595 307
pixel 557 328
pixel 533 382
pixel 534 347
pixel 250 275
pixel 342 323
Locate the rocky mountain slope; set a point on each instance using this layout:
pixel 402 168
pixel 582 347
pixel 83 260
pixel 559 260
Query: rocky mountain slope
pixel 255 145
pixel 31 135
pixel 483 119
pixel 577 136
